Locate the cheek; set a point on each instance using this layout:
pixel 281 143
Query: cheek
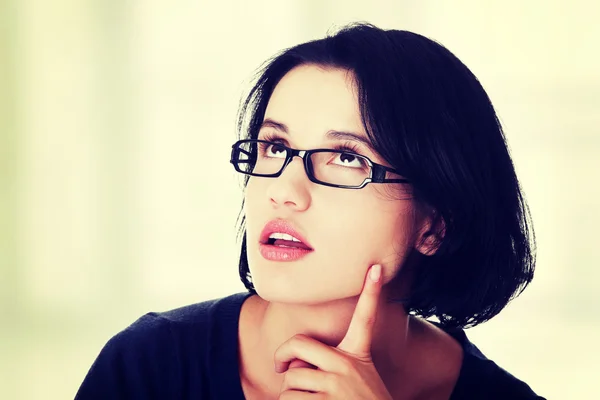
pixel 380 231
pixel 254 207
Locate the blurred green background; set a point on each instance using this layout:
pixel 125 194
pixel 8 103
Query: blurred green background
pixel 116 196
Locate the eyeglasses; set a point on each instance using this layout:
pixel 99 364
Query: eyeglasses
pixel 335 168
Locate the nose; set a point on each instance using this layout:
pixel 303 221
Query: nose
pixel 290 189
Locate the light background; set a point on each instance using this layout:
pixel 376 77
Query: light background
pixel 116 196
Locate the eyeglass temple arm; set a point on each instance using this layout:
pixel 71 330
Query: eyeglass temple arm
pixel 379 172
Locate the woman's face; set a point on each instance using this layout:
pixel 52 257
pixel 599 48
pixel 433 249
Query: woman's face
pixel 349 230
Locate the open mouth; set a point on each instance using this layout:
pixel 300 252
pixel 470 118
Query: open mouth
pixel 281 241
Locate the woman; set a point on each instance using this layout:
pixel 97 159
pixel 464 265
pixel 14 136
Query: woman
pixel 379 192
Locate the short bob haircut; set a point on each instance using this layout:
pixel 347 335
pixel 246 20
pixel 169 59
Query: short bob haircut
pixel 428 116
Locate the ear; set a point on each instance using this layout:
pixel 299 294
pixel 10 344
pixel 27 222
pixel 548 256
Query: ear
pixel 430 233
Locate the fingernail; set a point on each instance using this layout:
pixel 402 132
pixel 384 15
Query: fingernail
pixel 375 273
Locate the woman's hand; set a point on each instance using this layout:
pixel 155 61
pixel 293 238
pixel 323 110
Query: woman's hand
pixel 345 372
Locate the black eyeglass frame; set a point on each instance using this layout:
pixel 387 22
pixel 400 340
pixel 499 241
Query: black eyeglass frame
pixel 376 175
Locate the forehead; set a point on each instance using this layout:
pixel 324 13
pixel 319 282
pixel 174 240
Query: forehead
pixel 312 98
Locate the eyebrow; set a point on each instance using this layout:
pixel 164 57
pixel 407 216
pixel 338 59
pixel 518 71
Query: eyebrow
pixel 332 134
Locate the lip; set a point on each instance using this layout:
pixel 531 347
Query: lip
pixel 277 253
pixel 282 226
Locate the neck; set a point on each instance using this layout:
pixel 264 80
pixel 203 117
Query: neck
pixel 328 323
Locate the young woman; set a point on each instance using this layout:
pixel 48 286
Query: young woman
pixel 379 192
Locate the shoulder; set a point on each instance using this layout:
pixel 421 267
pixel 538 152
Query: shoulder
pixel 154 355
pixel 156 332
pixel 195 318
pixel 481 377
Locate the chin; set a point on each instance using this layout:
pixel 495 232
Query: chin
pixel 299 282
pixel 308 294
pixel 278 293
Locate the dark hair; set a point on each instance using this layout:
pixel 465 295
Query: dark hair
pixel 428 116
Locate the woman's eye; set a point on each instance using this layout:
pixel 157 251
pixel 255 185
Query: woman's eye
pixel 275 150
pixel 349 160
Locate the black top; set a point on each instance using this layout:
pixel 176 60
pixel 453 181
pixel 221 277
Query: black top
pixel 192 353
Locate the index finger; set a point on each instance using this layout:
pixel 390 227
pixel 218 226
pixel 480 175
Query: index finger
pixel 357 340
